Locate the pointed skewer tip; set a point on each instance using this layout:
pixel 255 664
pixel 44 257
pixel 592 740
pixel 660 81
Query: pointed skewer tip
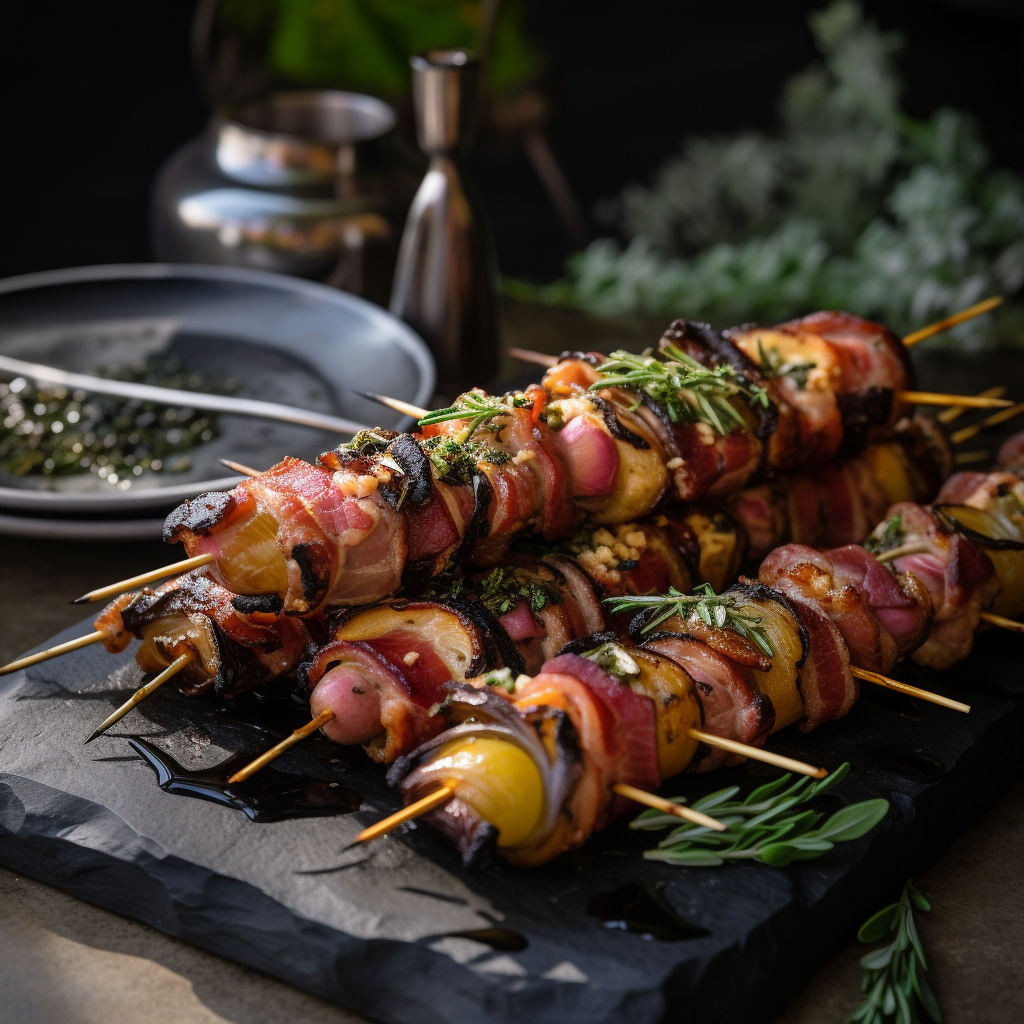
pixel 279 748
pixel 395 404
pixel 239 467
pixel 174 569
pixel 142 693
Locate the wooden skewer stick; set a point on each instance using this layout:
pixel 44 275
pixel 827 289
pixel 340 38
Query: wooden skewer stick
pixel 239 468
pixel 913 691
pixel 757 754
pixel 659 803
pixel 966 458
pixel 405 408
pixel 143 692
pixel 53 652
pixel 414 810
pixel 445 793
pixel 276 751
pixel 529 356
pixel 1002 622
pixel 174 569
pixel 965 401
pixel 910 340
pixel 948 415
pixel 966 433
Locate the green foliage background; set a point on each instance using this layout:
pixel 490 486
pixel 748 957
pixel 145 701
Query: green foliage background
pixel 850 205
pixel 366 44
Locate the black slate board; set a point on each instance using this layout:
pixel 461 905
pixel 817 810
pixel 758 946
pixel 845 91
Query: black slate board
pixel 371 927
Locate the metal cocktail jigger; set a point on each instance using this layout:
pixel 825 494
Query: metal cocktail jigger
pixel 445 284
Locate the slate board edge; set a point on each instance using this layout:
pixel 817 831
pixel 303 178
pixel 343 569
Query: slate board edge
pixel 784 952
pixel 791 955
pixel 137 887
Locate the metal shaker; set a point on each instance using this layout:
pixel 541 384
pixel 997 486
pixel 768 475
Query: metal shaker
pixel 445 284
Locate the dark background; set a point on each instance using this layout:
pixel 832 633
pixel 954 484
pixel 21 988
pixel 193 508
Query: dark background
pixel 96 96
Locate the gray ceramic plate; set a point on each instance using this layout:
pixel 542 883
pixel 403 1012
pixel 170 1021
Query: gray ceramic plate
pixel 282 339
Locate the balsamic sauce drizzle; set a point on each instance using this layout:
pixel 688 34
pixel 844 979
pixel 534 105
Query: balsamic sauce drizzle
pixel 271 796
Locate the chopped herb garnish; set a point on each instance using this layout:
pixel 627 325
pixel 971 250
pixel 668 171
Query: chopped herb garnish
pixel 686 390
pixel 894 982
pixel 478 410
pixel 887 537
pixel 444 587
pixel 772 365
pixel 459 460
pixel 502 678
pixel 614 659
pixel 715 610
pixel 766 826
pixel 367 442
pixel 504 588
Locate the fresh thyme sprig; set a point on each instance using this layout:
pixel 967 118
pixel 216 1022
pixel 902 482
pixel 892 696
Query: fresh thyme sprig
pixel 712 609
pixel 502 589
pixel 767 826
pixel 887 537
pixel 478 410
pixel 894 980
pixel 686 390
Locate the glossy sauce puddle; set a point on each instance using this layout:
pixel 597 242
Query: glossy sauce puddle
pixel 271 795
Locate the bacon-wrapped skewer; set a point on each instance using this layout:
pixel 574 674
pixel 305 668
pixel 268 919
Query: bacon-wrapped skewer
pixel 919 588
pixel 681 548
pixel 235 642
pixel 384 671
pixel 602 441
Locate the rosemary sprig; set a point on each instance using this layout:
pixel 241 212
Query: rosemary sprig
pixel 502 589
pixel 894 982
pixel 478 410
pixel 767 826
pixel 887 537
pixel 686 390
pixel 712 609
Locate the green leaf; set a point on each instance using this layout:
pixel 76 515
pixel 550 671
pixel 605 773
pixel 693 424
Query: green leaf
pixel 919 901
pixel 903 1012
pixel 877 959
pixel 914 938
pixel 831 780
pixel 927 997
pixel 691 858
pixel 716 798
pixel 879 924
pixel 854 820
pixel 889 1002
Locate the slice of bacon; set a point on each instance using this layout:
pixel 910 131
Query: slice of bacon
pixel 617 727
pixel 900 603
pixel 827 686
pixel 734 707
pixel 812 575
pixel 235 650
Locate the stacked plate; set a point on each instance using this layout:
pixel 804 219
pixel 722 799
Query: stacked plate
pixel 277 338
